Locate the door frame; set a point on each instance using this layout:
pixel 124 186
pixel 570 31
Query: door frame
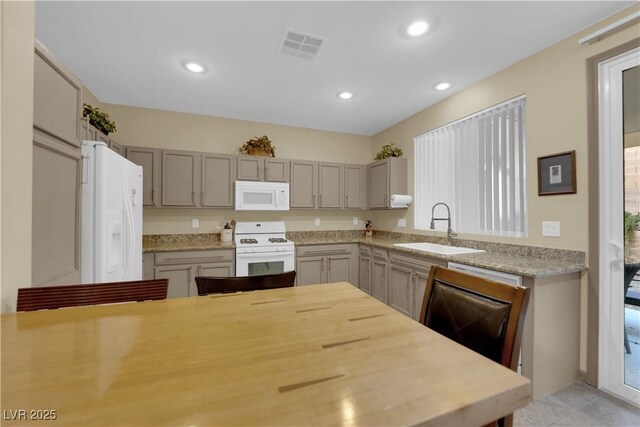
pixel 593 316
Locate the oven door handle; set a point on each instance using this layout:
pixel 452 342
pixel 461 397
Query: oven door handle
pixel 267 255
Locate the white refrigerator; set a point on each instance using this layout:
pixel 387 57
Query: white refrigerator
pixel 111 216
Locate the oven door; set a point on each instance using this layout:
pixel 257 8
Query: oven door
pixel 253 264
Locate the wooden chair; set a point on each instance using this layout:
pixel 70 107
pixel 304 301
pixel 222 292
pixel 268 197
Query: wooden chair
pixel 51 297
pixel 224 285
pixel 484 316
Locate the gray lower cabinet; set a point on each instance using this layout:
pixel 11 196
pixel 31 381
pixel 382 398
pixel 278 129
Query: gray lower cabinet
pixel 407 282
pixel 182 267
pixel 257 168
pixel 57 173
pixel 180 178
pixel 355 178
pixel 326 264
pixel 384 178
pixel 149 159
pixel 303 188
pixel 218 175
pixel 364 267
pixel 379 266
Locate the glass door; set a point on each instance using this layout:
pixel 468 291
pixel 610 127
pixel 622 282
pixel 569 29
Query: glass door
pixel 619 192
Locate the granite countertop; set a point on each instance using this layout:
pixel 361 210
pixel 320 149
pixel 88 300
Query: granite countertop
pixel 522 260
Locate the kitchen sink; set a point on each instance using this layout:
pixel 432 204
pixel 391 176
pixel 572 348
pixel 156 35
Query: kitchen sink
pixel 438 249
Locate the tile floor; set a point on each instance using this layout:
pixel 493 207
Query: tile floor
pixel 578 405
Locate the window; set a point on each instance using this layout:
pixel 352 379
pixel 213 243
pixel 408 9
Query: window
pixel 476 165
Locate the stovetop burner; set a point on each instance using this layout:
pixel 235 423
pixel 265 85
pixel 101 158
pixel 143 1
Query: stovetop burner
pixel 277 240
pixel 248 241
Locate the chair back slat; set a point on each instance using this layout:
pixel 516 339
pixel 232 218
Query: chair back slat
pixel 51 297
pixel 222 285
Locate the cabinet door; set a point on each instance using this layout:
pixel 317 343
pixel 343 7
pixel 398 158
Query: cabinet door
pixel 87 132
pixel 218 172
pixel 354 186
pixel 57 98
pixel 304 177
pixel 149 159
pixel 180 277
pixel 114 146
pixel 400 288
pixel 379 280
pixel 214 269
pixel 419 288
pixel 180 178
pixel 56 217
pixel 364 280
pixel 377 185
pixel 310 270
pixel 276 170
pixel 102 137
pixel 250 168
pixel 339 268
pixel 147 266
pixel 330 185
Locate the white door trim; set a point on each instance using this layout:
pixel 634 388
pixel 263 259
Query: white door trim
pixel 611 345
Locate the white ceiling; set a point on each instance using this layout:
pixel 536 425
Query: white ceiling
pixel 131 53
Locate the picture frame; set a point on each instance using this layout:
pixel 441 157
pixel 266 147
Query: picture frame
pixel 557 174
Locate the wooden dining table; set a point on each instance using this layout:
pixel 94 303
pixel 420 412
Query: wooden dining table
pixel 311 355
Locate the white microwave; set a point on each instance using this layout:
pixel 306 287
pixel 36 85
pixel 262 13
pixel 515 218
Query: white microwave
pixel 262 196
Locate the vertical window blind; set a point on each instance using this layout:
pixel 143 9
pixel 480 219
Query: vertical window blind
pixel 477 166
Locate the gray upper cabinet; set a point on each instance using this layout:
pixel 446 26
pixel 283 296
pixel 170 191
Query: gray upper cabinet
pixel 57 103
pixel 276 170
pixel 355 178
pixel 257 168
pixel 87 131
pixel 218 172
pixel 304 178
pixel 114 146
pixel 250 168
pixel 384 178
pixel 57 172
pixel 330 181
pixel 149 159
pixel 180 178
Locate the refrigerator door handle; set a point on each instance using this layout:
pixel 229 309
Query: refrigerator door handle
pixel 131 229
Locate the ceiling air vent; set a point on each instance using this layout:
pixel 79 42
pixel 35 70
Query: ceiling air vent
pixel 301 45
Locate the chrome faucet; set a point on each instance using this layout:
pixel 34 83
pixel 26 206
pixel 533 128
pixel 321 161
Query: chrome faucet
pixel 450 232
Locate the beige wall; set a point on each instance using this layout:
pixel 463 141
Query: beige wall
pixel 164 129
pixel 16 85
pixel 554 81
pixel 89 98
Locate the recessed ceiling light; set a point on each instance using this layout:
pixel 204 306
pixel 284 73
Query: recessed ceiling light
pixel 194 67
pixel 417 29
pixel 442 86
pixel 345 95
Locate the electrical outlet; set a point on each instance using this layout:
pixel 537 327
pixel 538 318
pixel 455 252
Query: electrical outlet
pixel 402 222
pixel 195 223
pixel 551 228
pixel 317 221
pixel 356 220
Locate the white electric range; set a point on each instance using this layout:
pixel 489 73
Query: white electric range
pixel 262 248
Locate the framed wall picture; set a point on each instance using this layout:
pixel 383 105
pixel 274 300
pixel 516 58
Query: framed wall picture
pixel 557 174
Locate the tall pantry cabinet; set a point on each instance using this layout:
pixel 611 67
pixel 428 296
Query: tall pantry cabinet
pixel 57 172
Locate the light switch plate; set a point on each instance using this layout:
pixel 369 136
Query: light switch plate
pixel 356 220
pixel 317 221
pixel 402 222
pixel 195 223
pixel 551 228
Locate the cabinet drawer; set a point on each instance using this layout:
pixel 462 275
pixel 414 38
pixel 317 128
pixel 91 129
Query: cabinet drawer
pixel 325 250
pixel 365 250
pixel 194 257
pixel 423 263
pixel 379 253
